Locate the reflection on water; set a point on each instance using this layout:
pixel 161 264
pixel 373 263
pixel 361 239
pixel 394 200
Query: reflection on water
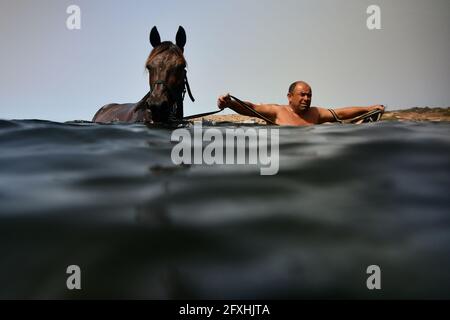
pixel 109 199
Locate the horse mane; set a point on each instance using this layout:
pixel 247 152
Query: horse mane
pixel 165 46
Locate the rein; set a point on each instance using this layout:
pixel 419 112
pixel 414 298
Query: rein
pixel 242 103
pixel 186 86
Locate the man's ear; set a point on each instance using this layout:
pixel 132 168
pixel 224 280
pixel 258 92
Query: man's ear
pixel 155 39
pixel 180 38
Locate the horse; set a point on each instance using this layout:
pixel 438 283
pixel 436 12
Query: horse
pixel 166 66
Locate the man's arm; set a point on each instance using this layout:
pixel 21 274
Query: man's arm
pixel 346 113
pixel 267 110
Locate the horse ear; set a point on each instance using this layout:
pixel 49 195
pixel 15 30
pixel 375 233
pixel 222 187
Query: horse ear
pixel 155 39
pixel 181 37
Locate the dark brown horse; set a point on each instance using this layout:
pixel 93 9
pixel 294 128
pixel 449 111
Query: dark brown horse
pixel 168 83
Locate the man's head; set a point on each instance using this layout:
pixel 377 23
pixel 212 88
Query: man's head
pixel 299 95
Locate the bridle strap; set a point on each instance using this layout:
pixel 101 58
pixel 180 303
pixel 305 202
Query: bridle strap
pixel 160 82
pixel 186 86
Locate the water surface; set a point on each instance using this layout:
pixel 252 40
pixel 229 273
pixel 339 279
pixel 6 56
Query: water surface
pixel 109 199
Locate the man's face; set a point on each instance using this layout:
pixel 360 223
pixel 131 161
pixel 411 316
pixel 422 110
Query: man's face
pixel 300 99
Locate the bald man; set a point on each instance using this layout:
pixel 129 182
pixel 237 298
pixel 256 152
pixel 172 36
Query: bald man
pixel 299 111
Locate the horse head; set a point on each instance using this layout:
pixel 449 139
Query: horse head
pixel 167 77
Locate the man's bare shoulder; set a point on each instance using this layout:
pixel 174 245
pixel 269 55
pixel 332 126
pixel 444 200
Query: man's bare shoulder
pixel 322 114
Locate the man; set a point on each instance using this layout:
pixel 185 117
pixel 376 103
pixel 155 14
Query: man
pixel 299 111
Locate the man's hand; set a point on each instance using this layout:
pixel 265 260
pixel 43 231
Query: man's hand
pixel 223 101
pixel 377 107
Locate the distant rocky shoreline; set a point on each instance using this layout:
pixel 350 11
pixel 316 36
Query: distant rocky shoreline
pixel 418 114
pixel 412 114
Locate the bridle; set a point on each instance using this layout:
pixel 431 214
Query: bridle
pixel 187 87
pixel 178 105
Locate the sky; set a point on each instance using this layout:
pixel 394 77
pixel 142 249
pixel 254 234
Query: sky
pixel 252 49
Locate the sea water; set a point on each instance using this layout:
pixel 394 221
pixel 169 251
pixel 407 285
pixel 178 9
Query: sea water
pixel 110 200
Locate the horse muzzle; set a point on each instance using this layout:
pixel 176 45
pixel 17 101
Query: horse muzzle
pixel 163 112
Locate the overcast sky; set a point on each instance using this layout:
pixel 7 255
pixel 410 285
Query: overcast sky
pixel 253 49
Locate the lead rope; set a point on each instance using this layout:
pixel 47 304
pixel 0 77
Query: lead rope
pixel 335 116
pixel 242 103
pixel 367 115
